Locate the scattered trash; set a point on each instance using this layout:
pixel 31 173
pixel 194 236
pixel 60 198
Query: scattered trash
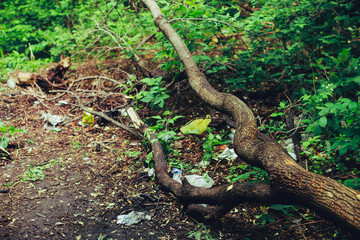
pixel 150 172
pixel 88 119
pixel 328 170
pixel 204 163
pixel 231 135
pixel 11 83
pixel 132 218
pixel 197 126
pixel 194 180
pixel 228 154
pixel 53 120
pixel 62 102
pixel 111 114
pixel 293 155
pixel 177 174
pixel 124 112
pixel 289 146
pixel 200 181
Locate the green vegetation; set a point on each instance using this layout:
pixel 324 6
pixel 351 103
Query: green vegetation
pixel 6 133
pixel 210 142
pixel 202 232
pixel 157 94
pixel 306 53
pixel 35 173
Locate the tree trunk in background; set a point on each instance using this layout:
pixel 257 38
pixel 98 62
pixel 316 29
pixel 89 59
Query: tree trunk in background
pixel 336 201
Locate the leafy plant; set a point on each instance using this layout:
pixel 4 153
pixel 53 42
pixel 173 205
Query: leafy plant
pixel 132 153
pixel 103 237
pixel 5 132
pixel 156 94
pixel 243 172
pixel 165 135
pixel 35 173
pixel 76 144
pixel 201 232
pixel 210 142
pixel 353 183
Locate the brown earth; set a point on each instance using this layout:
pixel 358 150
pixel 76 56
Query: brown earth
pixel 73 184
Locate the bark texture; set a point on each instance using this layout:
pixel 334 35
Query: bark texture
pixel 288 180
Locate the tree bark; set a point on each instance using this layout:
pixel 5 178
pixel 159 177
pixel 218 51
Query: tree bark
pixel 287 179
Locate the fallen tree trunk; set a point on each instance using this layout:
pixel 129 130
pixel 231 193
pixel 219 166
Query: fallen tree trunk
pixel 288 180
pixel 53 80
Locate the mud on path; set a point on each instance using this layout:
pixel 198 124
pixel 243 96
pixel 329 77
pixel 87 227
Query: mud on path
pixel 72 184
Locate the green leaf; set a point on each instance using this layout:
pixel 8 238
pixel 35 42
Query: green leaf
pixel 4 141
pixel 344 55
pixel 323 122
pixel 353 183
pixel 277 114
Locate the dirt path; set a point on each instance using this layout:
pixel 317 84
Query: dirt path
pixel 72 184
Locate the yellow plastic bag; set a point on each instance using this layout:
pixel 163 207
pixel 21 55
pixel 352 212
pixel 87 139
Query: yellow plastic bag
pixel 88 118
pixel 197 126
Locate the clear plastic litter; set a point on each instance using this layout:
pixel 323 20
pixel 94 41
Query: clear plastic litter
pixel 177 174
pixel 51 121
pixel 62 102
pixel 289 145
pixel 132 218
pixel 150 172
pixel 200 181
pixel 228 154
pixel 11 83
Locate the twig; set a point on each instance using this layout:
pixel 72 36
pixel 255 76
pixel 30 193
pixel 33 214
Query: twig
pixel 2 149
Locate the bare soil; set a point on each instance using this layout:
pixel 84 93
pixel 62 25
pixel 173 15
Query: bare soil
pixel 90 175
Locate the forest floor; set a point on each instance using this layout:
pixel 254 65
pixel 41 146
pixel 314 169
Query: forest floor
pixel 73 183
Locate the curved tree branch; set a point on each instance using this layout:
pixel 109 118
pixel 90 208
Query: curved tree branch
pixel 331 198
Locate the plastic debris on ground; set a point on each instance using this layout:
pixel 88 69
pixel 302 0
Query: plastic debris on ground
pixel 197 126
pixel 53 120
pixel 289 146
pixel 177 174
pixel 132 218
pixel 62 102
pixel 204 163
pixel 231 135
pixel 150 172
pixel 200 181
pixel 11 83
pixel 88 119
pixel 228 154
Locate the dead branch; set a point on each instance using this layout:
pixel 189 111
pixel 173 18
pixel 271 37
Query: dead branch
pixel 53 80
